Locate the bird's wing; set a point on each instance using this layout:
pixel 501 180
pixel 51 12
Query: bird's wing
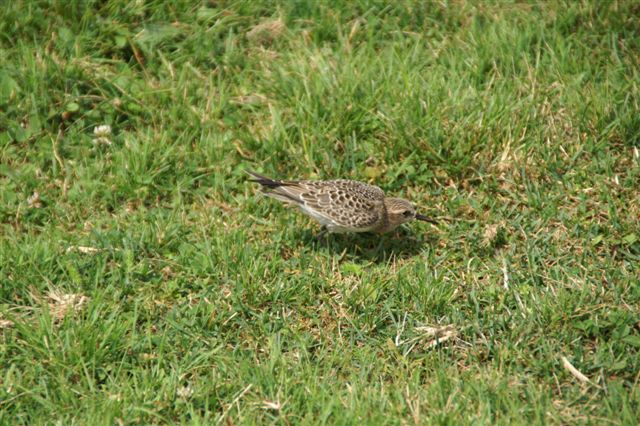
pixel 348 203
pixel 308 195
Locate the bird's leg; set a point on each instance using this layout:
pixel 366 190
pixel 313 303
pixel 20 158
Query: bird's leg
pixel 323 232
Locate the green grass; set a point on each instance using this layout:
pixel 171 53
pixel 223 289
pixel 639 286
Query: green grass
pixel 147 283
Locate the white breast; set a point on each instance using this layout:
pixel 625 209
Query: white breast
pixel 324 220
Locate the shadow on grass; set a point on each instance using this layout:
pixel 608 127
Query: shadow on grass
pixel 403 243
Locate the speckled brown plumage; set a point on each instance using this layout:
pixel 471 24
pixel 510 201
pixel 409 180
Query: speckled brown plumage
pixel 342 205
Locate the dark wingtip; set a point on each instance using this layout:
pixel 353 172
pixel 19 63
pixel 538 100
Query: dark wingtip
pixel 426 219
pixel 263 180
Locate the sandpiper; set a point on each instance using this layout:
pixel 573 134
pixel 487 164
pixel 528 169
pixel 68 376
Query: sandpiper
pixel 342 205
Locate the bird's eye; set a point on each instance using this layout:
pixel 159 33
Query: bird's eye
pixel 407 213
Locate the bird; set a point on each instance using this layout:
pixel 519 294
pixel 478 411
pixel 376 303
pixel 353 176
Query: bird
pixel 342 205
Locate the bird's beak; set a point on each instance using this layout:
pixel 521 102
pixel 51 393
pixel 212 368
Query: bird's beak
pixel 426 219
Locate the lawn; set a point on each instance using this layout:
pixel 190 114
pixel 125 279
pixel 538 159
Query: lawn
pixel 144 280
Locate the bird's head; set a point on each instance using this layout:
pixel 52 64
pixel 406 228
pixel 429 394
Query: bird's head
pixel 400 211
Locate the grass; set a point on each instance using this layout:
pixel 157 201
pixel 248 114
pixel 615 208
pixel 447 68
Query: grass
pixel 143 281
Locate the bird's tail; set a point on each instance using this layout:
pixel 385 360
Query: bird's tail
pixel 263 180
pixel 280 190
